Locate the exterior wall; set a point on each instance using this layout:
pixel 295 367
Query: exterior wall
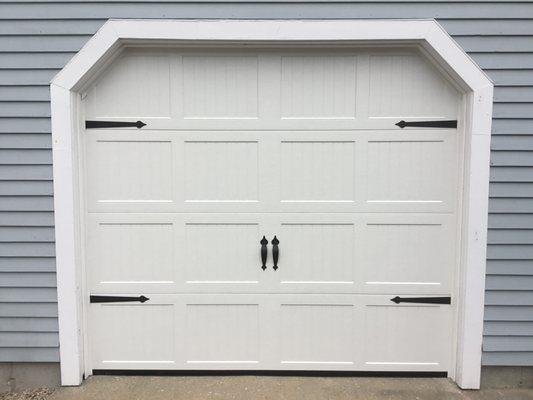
pixel 38 38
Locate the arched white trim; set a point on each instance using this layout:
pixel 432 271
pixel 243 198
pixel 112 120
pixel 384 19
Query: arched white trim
pixel 426 34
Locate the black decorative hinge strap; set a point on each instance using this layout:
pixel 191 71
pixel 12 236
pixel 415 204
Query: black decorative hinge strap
pixel 426 300
pixel 428 124
pixel 117 299
pixel 113 124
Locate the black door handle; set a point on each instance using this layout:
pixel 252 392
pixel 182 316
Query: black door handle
pixel 264 251
pixel 275 252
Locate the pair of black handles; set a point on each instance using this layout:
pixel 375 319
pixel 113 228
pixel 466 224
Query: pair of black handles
pixel 264 252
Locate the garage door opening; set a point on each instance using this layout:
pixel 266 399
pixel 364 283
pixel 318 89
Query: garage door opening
pixel 271 208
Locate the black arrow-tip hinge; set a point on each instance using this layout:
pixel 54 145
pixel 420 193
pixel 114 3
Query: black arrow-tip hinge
pixel 422 300
pixel 113 124
pixel 428 124
pixel 117 299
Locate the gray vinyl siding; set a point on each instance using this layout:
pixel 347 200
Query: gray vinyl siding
pixel 37 38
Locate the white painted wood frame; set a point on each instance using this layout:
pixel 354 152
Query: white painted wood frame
pixel 424 34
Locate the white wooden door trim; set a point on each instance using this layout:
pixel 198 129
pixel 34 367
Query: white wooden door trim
pixel 427 35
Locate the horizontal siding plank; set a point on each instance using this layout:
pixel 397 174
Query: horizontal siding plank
pixel 27 264
pixel 479 27
pixel 20 249
pixel 28 339
pixel 513 94
pixel 512 127
pixel 26 234
pixel 265 10
pixel 27 188
pixel 512 158
pixel 510 142
pixel 509 267
pixel 28 279
pixel 25 141
pixel 503 313
pixel 16 218
pixel 510 252
pixel 27 295
pixel 25 125
pixel 16 77
pixel 32 109
pixel 27 354
pixel 35 60
pixel 35 310
pixel 504 189
pixel 503 282
pixel 492 60
pixel 518 221
pixel 80 27
pixel 499 236
pixel 26 172
pixel 507 174
pixel 507 77
pixel 501 205
pixel 44 43
pixel 503 343
pixel 496 43
pixel 25 156
pixel 508 328
pixel 25 93
pixel 509 298
pixel 504 358
pixel 513 110
pixel 26 203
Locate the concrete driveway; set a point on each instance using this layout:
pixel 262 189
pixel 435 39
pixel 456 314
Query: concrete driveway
pixel 276 388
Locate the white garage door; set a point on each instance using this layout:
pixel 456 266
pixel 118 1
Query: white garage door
pixel 298 146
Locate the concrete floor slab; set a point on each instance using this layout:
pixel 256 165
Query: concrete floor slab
pixel 278 388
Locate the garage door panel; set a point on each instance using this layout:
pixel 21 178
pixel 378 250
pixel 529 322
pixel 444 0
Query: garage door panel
pixel 407 86
pixel 318 171
pixel 130 171
pixel 114 95
pixel 410 174
pixel 317 335
pixel 319 86
pixel 221 171
pixel 220 86
pixel 132 253
pixel 405 337
pixel 317 252
pixel 407 254
pixel 133 336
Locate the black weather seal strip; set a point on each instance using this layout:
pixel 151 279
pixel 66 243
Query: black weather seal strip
pixel 428 124
pixel 166 372
pixel 113 124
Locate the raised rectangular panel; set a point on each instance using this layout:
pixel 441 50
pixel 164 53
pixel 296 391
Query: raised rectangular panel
pixel 408 86
pixel 316 253
pixel 136 86
pixel 130 171
pixel 405 256
pixel 404 338
pixel 221 171
pixel 318 87
pixel 222 333
pixel 408 171
pixel 222 253
pixel 320 171
pixel 317 334
pixel 133 335
pixel 220 86
pixel 131 253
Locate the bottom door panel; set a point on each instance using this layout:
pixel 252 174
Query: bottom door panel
pixel 271 332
